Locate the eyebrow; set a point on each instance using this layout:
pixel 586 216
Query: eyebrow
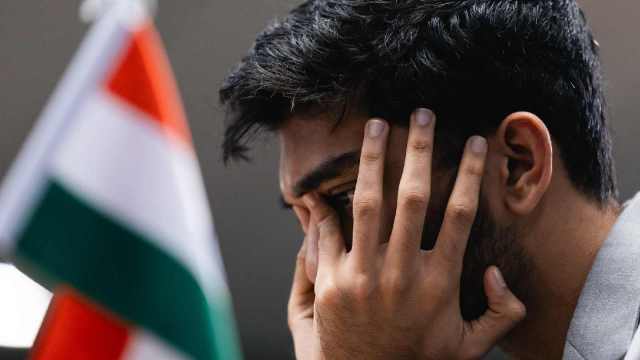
pixel 327 170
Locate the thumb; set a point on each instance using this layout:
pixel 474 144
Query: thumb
pixel 505 311
pixel 302 296
pixel 300 309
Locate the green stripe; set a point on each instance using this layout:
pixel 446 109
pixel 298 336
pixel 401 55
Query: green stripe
pixel 73 243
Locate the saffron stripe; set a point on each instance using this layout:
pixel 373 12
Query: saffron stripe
pixel 119 269
pixel 75 329
pixel 143 79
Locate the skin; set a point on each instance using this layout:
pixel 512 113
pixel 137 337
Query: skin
pixel 343 305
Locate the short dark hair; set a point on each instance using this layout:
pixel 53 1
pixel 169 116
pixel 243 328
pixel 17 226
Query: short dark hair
pixel 471 61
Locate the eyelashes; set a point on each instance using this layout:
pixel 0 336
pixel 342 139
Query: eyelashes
pixel 339 201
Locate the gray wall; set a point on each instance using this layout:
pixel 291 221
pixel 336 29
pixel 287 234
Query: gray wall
pixel 204 38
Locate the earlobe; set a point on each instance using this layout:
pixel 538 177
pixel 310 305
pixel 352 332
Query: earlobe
pixel 528 152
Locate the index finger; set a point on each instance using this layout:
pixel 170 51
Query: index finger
pixel 330 243
pixel 462 207
pixel 368 195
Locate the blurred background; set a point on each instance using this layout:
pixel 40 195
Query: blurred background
pixel 204 39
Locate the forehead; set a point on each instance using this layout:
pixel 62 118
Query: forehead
pixel 306 141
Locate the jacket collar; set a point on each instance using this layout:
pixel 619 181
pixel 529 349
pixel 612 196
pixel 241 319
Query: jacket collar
pixel 606 316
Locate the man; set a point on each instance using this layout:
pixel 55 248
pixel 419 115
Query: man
pixel 451 167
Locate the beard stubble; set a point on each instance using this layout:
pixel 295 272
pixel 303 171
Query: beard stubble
pixel 489 244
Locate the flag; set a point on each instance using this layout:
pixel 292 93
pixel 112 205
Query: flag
pixel 106 200
pixel 76 329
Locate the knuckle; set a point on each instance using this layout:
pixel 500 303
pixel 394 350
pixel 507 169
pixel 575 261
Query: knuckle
pixel 360 287
pixel 371 156
pixel 517 311
pixel 421 146
pixel 396 281
pixel 440 286
pixel 474 170
pixel 328 295
pixel 461 214
pixel 366 206
pixel 414 199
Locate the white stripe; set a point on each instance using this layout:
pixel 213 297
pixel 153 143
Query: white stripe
pixel 127 167
pixel 25 179
pixel 144 346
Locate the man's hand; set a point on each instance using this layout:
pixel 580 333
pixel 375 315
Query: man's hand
pixel 387 298
pixel 301 301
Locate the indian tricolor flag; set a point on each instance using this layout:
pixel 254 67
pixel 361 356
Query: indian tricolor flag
pixel 105 206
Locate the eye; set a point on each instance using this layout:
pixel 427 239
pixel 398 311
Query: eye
pixel 342 202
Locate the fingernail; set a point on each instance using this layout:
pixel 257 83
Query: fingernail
pixel 424 116
pixel 498 279
pixel 375 128
pixel 478 144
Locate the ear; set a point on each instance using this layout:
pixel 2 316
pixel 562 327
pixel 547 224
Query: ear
pixel 528 160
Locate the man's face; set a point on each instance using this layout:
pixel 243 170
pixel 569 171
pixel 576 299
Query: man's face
pixel 318 155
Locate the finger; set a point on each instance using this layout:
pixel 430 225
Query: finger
pixel 413 191
pixel 329 237
pixel 462 206
pixel 302 296
pixel 505 311
pixel 367 198
pixel 312 251
pixel 303 217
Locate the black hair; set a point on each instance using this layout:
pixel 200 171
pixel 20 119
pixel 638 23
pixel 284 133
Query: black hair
pixel 473 62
